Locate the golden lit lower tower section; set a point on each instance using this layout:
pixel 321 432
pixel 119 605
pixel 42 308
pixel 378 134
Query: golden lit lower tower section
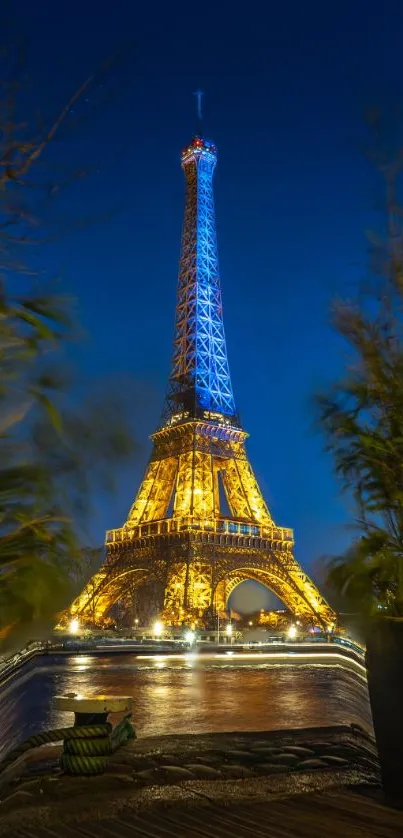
pixel 199 524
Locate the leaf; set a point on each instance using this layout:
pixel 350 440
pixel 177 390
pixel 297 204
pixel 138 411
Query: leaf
pixel 51 410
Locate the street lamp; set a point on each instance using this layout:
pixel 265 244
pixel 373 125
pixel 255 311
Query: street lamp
pixel 292 632
pixel 74 626
pixel 158 628
pixel 228 632
pixel 190 637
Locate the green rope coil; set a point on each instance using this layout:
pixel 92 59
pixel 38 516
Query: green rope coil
pixel 83 757
pixel 83 766
pixel 85 748
pixel 91 747
pixel 123 732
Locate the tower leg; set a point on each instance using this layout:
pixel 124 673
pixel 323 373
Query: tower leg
pixel 174 600
pixel 186 589
pixel 220 599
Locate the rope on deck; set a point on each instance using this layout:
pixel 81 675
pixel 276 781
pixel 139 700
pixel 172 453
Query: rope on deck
pixel 85 748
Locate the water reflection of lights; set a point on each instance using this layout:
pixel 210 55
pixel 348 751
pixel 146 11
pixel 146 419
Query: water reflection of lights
pixel 291 656
pixel 81 663
pixel 253 688
pixel 190 657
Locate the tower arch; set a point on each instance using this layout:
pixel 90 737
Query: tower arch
pixel 292 595
pixel 102 591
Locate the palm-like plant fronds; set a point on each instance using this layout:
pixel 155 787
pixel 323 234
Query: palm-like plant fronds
pixel 361 417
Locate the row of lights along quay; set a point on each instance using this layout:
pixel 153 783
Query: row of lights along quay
pixel 225 633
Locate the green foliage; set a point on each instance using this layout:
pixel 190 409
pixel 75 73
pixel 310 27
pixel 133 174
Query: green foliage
pixel 56 448
pixel 55 452
pixel 362 420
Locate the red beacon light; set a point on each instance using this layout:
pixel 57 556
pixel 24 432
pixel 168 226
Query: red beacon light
pixel 198 144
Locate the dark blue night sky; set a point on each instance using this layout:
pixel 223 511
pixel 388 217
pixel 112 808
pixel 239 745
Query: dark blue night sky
pixel 286 88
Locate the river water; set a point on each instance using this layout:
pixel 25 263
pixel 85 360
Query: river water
pixel 188 695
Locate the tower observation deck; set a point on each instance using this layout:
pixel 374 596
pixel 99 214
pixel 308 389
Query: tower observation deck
pixel 199 524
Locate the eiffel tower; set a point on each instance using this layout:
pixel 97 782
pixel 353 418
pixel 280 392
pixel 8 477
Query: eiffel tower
pixel 199 524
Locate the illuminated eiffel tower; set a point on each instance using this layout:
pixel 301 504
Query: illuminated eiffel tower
pixel 199 524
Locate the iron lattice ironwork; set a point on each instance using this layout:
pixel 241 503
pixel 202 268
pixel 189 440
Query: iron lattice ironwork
pixel 199 524
pixel 200 378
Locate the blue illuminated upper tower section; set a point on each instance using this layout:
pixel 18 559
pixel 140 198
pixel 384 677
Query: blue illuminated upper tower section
pixel 200 383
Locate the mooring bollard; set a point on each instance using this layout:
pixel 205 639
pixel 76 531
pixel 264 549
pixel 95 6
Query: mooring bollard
pixel 87 745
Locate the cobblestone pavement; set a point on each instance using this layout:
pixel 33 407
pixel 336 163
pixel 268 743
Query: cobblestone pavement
pixel 149 779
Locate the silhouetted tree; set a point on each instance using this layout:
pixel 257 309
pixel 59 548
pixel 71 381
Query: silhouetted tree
pixel 53 445
pixel 361 416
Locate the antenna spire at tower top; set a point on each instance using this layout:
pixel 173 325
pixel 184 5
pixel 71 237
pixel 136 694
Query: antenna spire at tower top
pixel 199 95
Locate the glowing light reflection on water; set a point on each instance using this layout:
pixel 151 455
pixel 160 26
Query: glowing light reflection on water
pixel 189 694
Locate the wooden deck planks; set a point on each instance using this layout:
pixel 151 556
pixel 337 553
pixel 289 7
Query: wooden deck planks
pixel 333 814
